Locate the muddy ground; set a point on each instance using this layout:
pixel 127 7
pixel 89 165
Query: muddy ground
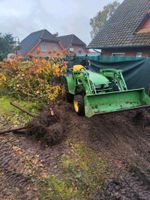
pixel 122 138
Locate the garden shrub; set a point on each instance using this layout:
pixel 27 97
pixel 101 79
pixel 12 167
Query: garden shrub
pixel 35 79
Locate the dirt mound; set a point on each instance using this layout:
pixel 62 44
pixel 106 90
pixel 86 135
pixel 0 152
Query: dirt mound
pixel 132 185
pixel 123 140
pixel 47 127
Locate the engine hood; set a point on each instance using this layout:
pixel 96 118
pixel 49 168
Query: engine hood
pixel 97 78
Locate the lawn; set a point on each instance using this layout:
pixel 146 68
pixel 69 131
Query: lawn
pixel 13 116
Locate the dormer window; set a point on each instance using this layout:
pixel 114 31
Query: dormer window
pixel 145 26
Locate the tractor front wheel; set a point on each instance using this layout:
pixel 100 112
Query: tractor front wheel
pixel 79 104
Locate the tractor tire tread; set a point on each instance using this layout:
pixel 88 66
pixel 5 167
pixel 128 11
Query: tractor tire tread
pixel 80 100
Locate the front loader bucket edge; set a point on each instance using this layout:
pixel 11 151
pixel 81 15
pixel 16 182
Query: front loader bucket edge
pixel 115 102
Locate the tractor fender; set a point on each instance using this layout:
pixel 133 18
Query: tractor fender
pixel 70 84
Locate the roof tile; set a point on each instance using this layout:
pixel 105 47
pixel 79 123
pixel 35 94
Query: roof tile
pixel 31 40
pixel 68 40
pixel 120 29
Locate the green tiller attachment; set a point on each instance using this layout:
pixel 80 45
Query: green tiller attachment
pixel 115 102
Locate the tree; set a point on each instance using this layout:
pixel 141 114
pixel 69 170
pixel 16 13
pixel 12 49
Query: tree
pixel 6 45
pixel 102 16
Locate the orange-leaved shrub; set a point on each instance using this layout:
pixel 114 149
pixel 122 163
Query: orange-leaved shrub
pixel 35 79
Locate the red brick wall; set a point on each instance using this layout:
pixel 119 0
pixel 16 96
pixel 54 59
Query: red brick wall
pixel 128 52
pixel 78 49
pixel 147 24
pixel 48 46
pixel 145 28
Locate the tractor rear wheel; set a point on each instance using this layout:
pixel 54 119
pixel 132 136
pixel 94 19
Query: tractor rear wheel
pixel 79 104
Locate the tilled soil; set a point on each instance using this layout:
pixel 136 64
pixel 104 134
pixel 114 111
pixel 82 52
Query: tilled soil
pixel 22 163
pixel 125 140
pixel 122 138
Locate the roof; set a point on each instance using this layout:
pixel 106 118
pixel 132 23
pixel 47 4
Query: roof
pixel 31 40
pixel 121 29
pixel 68 41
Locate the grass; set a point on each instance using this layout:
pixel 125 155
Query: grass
pixel 13 115
pixel 83 173
pixel 7 108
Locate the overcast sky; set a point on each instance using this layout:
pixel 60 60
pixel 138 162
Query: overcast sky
pixel 21 17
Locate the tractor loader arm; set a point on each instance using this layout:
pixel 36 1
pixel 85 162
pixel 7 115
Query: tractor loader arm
pixel 115 76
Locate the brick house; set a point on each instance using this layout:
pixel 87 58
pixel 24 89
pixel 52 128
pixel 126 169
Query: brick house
pixel 127 32
pixel 40 41
pixel 73 43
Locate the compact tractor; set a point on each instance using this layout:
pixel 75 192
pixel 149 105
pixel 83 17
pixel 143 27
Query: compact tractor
pixel 104 92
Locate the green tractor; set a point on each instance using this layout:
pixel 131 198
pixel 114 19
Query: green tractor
pixel 105 92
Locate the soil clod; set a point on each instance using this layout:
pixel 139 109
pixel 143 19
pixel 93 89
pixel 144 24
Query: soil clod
pixel 47 128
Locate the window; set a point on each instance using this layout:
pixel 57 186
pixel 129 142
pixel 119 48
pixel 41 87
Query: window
pixel 71 49
pixel 43 48
pixel 55 48
pixel 139 54
pixel 118 54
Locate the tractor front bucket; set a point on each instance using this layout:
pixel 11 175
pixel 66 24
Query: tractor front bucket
pixel 115 102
